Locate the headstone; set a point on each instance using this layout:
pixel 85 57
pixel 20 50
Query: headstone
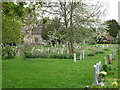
pixel 105 60
pixel 109 59
pixel 100 66
pixel 82 54
pixel 95 75
pixel 74 57
pixel 97 66
pixel 97 69
pixel 113 55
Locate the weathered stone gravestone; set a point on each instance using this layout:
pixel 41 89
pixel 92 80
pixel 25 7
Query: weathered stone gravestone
pixel 113 55
pixel 74 57
pixel 82 52
pixel 109 58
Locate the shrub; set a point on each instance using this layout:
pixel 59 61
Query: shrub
pixel 62 56
pixel 106 49
pixel 48 45
pixel 99 52
pixel 59 46
pixel 27 54
pixel 42 55
pixel 8 52
pixel 105 68
pixel 91 54
pixel 26 50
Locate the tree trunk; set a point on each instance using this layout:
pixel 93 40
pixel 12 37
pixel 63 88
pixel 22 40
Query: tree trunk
pixel 71 30
pixel 71 47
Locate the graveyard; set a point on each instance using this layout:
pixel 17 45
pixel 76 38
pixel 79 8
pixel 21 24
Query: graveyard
pixel 61 44
pixel 59 73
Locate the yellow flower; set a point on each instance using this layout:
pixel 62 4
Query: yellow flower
pixel 114 83
pixel 103 72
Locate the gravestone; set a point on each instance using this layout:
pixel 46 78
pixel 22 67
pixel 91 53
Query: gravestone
pixel 113 55
pixel 82 52
pixel 95 75
pixel 74 57
pixel 109 58
pixel 105 60
pixel 97 68
pixel 100 66
pixel 97 65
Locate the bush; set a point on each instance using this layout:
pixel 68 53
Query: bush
pixel 27 54
pixel 99 52
pixel 106 49
pixel 48 45
pixel 35 55
pixel 62 56
pixel 91 54
pixel 8 52
pixel 59 46
pixel 26 50
pixel 105 68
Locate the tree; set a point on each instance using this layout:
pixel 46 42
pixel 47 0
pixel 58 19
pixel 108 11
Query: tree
pixel 12 23
pixel 113 28
pixel 77 20
pixel 50 30
pixel 11 31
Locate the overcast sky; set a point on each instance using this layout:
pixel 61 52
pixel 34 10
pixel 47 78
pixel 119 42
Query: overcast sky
pixel 112 9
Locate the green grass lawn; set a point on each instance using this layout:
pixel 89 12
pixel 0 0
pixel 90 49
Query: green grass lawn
pixel 54 73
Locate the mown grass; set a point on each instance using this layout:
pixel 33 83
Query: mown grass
pixel 54 73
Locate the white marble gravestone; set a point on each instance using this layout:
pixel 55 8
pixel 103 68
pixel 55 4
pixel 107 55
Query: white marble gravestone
pixel 95 75
pixel 82 52
pixel 74 57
